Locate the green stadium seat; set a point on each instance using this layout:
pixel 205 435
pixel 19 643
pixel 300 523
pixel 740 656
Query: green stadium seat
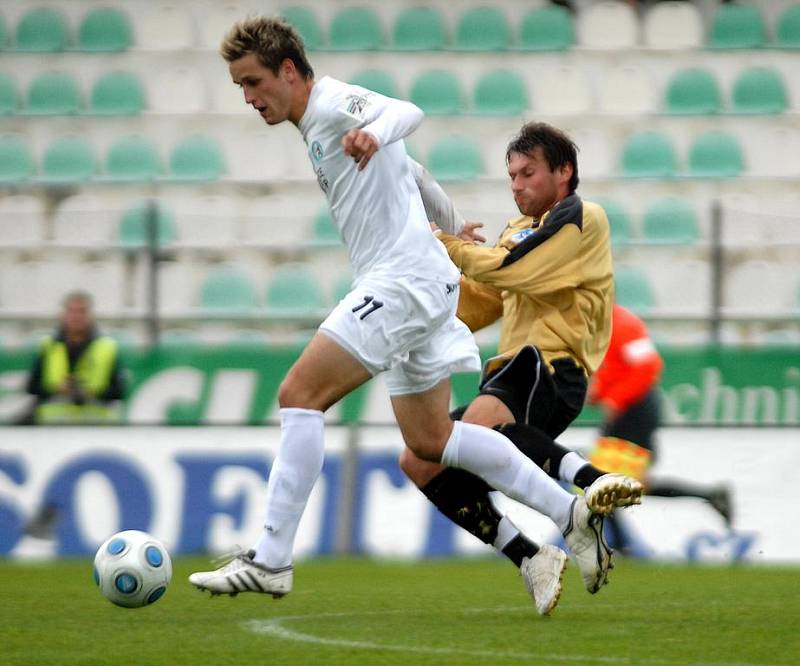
pixel 619 220
pixel 438 93
pixel 227 289
pixel 42 29
pixel 482 29
pixel 693 92
pixel 735 26
pixel 16 163
pixel 787 29
pixel 378 80
pixel 632 289
pixel 671 220
pixel 117 94
pixel 53 94
pixel 547 29
pixel 500 92
pixel 715 154
pixel 68 159
pixel 105 29
pixel 455 157
pixel 9 97
pixel 3 32
pixel 132 158
pixel 759 91
pixel 196 158
pixel 305 21
pixel 649 155
pixel 356 29
pixel 323 231
pixel 133 229
pixel 419 29
pixel 293 291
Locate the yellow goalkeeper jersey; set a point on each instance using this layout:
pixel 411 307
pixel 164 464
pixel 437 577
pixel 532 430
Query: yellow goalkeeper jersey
pixel 550 279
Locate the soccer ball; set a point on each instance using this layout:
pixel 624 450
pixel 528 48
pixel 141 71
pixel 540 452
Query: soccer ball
pixel 132 569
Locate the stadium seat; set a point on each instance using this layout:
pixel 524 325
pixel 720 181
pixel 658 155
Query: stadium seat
pixel 715 154
pixel 356 29
pixel 205 220
pixel 547 29
pixel 132 158
pixel 735 26
pixel 3 33
pixel 787 29
pixel 500 92
pixel 773 151
pixel 196 158
pixel 68 159
pixel 85 220
pixel 216 19
pixel 378 80
pixel 53 94
pixel 181 89
pixel 305 21
pixel 619 220
pixel 670 220
pixel 649 155
pixel 563 89
pixel 16 163
pixel 673 25
pixel 105 29
pixel 133 225
pixel 42 29
pixel 759 91
pixel 22 221
pixel 292 291
pixel 693 92
pixel 419 29
pixel 632 289
pixel 757 285
pixel 227 289
pixel 164 27
pixel 455 158
pixel 9 98
pixel 628 89
pixel 437 92
pixel 117 94
pixel 482 29
pixel 323 231
pixel 608 24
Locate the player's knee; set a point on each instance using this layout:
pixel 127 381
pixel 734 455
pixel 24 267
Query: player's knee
pixel 292 393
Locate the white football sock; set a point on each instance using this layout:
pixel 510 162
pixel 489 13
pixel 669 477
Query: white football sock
pixel 491 456
pixel 570 464
pixel 506 531
pixel 294 472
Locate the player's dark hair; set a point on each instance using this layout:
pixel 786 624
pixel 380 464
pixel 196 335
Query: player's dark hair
pixel 271 39
pixel 557 147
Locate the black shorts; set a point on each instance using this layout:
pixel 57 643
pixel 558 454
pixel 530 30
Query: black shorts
pixel 534 395
pixel 638 423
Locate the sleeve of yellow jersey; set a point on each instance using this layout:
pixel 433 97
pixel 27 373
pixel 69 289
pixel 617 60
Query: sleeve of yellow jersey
pixel 478 304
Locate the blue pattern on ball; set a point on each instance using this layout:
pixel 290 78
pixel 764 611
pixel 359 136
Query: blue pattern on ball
pixel 96 576
pixel 154 556
pixel 116 546
pixel 156 594
pixel 126 583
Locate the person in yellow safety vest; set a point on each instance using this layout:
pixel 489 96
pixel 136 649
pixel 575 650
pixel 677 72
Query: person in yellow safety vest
pixel 77 377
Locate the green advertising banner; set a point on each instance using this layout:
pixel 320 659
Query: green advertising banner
pixel 239 384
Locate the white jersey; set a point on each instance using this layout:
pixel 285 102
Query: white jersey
pixel 378 211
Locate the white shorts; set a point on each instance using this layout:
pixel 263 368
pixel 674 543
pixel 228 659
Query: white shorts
pixel 406 327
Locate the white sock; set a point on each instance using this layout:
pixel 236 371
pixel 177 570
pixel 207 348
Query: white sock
pixel 570 464
pixel 294 472
pixel 506 531
pixel 491 456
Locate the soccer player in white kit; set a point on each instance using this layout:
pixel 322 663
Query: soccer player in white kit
pixel 399 319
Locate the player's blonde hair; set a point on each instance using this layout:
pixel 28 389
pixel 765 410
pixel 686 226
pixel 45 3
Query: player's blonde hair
pixel 271 39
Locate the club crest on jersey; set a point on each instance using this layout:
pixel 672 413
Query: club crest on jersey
pixel 522 235
pixel 357 104
pixel 316 150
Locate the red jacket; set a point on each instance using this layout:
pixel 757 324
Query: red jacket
pixel 631 366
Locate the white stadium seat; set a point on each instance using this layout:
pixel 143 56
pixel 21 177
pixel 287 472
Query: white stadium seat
pixel 673 25
pixel 609 24
pixel 22 221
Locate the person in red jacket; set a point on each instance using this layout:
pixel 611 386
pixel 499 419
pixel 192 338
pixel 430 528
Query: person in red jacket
pixel 625 387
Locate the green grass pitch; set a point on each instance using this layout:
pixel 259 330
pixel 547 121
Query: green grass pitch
pixel 459 612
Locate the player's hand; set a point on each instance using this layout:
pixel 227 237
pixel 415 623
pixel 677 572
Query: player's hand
pixel 469 233
pixel 361 146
